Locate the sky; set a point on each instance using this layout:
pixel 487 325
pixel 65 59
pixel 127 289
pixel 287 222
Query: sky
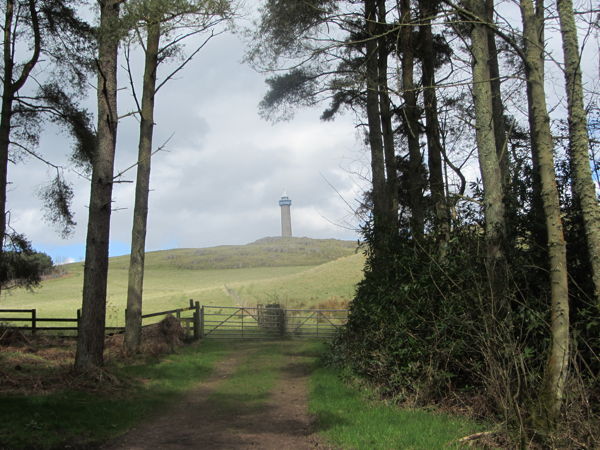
pixel 224 168
pixel 222 171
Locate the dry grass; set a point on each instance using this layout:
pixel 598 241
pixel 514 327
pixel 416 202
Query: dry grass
pixel 333 303
pixel 43 364
pixel 157 339
pixel 33 364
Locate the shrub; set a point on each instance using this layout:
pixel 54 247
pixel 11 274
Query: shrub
pixel 426 329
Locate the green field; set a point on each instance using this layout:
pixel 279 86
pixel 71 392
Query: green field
pixel 297 272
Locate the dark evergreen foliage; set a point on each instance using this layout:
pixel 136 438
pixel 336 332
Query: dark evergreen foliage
pixel 57 197
pixel 285 24
pixel 291 89
pixel 20 265
pixel 65 112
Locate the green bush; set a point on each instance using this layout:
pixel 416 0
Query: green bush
pixel 426 329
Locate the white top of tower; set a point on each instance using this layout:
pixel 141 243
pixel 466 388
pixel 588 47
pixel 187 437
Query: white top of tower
pixel 284 200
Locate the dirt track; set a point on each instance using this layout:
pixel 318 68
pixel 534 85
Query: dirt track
pixel 281 423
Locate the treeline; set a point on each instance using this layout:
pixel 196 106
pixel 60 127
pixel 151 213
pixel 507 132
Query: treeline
pixel 484 288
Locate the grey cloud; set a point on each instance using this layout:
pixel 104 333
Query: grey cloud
pixel 223 171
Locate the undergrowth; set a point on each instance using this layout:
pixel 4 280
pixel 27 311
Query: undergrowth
pixel 426 331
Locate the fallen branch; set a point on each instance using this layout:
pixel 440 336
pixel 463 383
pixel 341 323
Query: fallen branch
pixel 475 436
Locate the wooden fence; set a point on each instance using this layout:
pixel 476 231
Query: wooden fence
pixel 29 320
pixel 19 317
pixel 207 321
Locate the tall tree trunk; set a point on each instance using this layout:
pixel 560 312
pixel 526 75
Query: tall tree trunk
pixel 579 140
pixel 432 130
pixel 374 125
pixel 133 324
pixel 411 122
pixel 7 101
pixel 90 343
pixel 386 123
pixel 537 220
pixel 495 226
pixel 10 88
pixel 557 367
pixel 497 105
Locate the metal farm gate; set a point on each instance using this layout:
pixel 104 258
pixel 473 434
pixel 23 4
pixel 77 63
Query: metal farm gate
pixel 269 322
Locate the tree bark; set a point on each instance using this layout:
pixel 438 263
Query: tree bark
pixel 557 366
pixel 133 324
pixel 10 88
pixel 432 129
pixel 537 220
pixel 386 123
pixel 497 105
pixel 90 342
pixel 411 122
pixel 374 125
pixel 495 225
pixel 7 101
pixel 579 140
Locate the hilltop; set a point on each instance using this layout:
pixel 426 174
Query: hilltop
pixel 265 252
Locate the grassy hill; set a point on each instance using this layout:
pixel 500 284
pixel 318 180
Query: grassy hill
pixel 294 271
pixel 266 252
pixel 329 284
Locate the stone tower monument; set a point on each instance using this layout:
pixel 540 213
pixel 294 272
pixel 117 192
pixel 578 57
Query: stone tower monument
pixel 286 219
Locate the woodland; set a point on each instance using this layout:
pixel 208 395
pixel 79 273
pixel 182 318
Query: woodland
pixel 480 292
pixel 483 293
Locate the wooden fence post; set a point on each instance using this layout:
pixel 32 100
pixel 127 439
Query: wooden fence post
pixel 201 321
pixel 33 321
pixel 191 302
pixel 196 320
pixel 78 320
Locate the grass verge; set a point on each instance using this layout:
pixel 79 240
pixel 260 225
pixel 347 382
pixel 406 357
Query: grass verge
pixel 80 418
pixel 349 418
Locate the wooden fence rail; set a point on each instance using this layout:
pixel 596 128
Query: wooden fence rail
pixel 28 320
